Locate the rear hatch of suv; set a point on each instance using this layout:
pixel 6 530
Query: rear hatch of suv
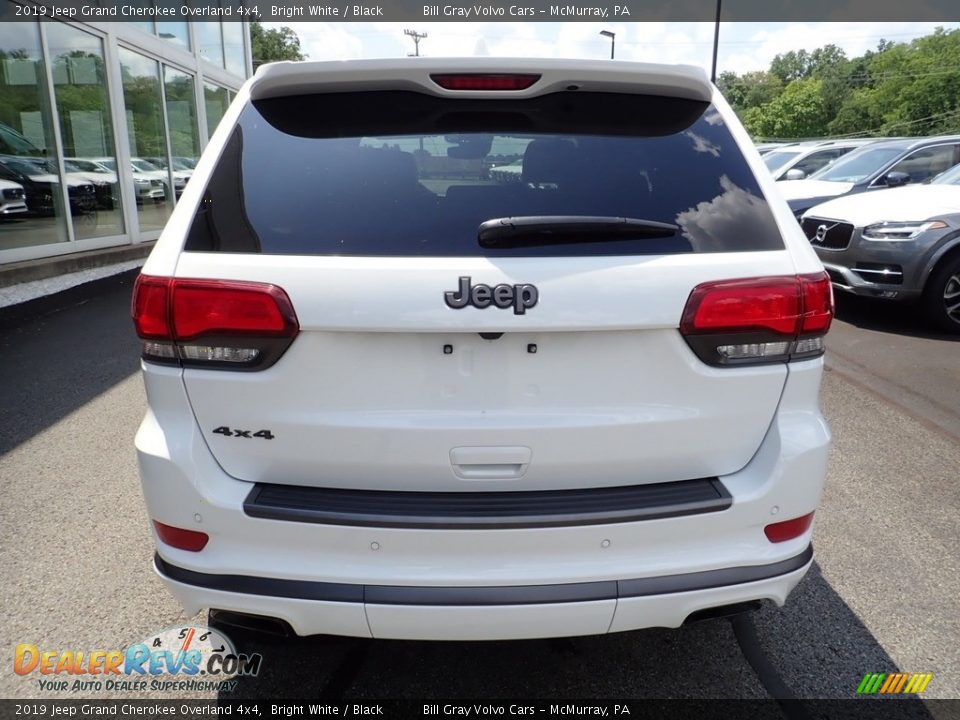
pixel 486 291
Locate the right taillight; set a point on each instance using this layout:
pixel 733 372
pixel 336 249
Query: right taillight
pixel 758 320
pixel 212 323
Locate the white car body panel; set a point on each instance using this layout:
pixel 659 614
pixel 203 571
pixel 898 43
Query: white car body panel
pixel 797 189
pixel 616 420
pixel 904 204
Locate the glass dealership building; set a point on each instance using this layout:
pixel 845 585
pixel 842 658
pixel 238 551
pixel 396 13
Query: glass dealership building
pixel 101 124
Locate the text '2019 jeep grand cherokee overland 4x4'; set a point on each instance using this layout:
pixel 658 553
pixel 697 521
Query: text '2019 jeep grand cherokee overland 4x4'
pixel 393 395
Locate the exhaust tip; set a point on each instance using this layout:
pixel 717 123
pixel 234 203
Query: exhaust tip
pixel 723 611
pixel 258 624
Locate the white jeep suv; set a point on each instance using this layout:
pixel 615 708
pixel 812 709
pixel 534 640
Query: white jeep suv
pixel 394 395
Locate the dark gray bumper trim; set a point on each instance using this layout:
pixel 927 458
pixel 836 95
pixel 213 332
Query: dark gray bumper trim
pixel 487 510
pixel 497 595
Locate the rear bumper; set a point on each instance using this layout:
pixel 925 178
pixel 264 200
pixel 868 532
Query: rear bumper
pixel 691 561
pixel 484 612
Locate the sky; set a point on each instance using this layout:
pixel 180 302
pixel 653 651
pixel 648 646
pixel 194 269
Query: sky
pixel 743 46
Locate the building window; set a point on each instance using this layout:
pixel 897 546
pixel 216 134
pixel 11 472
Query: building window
pixel 182 116
pixel 217 100
pixel 174 32
pixel 31 199
pixel 146 134
pixel 233 48
pixel 210 42
pixel 86 132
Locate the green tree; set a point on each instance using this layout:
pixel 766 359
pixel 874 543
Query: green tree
pixel 273 45
pixel 797 112
pixel 898 89
pixel 751 89
pixel 794 65
pixel 905 89
pixel 826 59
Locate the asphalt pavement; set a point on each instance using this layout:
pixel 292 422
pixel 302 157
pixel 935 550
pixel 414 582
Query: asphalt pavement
pixel 883 595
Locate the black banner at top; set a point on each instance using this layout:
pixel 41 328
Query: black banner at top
pixel 490 10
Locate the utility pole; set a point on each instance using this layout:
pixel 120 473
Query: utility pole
pixel 417 37
pixel 613 40
pixel 716 44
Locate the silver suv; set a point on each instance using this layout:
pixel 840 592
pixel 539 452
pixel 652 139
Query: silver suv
pixel 897 244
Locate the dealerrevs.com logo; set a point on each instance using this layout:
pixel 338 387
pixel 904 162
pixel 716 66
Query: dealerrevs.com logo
pixel 191 658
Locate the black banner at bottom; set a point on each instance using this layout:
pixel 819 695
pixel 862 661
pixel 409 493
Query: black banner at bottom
pixel 854 709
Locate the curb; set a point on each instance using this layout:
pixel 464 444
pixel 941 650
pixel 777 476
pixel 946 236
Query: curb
pixel 14 316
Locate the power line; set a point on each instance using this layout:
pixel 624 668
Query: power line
pixel 417 37
pixel 886 127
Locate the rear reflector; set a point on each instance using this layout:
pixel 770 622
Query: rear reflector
pixel 484 81
pixel 212 323
pixel 758 320
pixel 181 539
pixel 788 529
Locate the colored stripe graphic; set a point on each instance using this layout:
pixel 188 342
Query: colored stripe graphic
pixel 871 683
pixel 894 683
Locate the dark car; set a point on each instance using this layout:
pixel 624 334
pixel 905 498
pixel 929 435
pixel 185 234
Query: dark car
pixel 40 184
pixel 39 192
pixel 880 165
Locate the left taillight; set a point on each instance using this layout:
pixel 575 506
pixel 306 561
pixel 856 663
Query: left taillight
pixel 212 323
pixel 758 320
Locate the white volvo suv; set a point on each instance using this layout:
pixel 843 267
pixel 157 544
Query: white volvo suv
pixel 393 395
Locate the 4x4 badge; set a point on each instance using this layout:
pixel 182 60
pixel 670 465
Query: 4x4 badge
pixel 519 297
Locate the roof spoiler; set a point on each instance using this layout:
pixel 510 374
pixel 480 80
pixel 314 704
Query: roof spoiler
pixel 413 74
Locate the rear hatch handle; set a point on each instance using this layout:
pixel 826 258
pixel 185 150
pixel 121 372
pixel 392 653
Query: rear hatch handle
pixel 490 463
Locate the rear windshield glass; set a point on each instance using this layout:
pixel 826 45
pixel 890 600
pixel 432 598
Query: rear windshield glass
pixel 407 174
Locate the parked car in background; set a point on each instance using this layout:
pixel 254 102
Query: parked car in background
pixel 16 144
pixel 148 168
pixel 765 147
pixel 800 160
pixel 877 166
pixel 896 244
pixel 104 179
pixel 507 173
pixel 180 167
pixel 12 200
pixel 103 186
pixel 188 163
pixel 40 184
pixel 78 182
pixel 146 186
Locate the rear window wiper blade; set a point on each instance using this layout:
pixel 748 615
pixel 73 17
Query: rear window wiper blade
pixel 536 230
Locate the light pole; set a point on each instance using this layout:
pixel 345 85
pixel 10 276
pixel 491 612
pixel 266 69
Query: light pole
pixel 716 44
pixel 613 40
